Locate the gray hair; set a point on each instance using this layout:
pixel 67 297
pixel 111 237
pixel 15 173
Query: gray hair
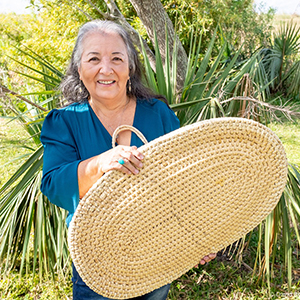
pixel 73 88
pixel 102 27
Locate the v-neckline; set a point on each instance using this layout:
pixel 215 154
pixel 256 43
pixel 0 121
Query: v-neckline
pixel 109 136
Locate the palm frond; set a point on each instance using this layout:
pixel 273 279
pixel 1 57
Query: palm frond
pixel 29 223
pixel 286 41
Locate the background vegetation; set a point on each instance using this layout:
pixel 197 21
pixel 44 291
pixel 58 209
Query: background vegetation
pixel 233 52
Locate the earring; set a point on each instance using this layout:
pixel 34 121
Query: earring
pixel 80 87
pixel 129 85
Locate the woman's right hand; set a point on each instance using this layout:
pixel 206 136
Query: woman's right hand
pixel 114 158
pixel 90 170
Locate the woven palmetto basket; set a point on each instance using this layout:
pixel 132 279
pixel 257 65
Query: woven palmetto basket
pixel 202 187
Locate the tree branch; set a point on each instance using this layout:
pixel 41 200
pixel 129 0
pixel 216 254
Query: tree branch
pixel 4 90
pixel 77 7
pixel 104 15
pixel 286 110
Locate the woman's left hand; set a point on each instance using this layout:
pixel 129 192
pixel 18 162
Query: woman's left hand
pixel 206 259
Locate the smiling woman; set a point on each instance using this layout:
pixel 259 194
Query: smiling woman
pixel 104 81
pixel 104 70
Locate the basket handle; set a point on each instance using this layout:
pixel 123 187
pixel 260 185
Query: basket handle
pixel 127 127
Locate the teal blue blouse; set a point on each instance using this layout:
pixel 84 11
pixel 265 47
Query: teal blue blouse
pixel 74 133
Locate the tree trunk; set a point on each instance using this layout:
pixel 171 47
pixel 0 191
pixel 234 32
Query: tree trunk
pixel 152 12
pixel 115 15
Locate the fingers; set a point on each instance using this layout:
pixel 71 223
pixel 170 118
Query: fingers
pixel 212 256
pixel 133 156
pixel 207 258
pixel 129 160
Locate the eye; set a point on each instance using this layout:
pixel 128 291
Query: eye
pixel 117 58
pixel 93 59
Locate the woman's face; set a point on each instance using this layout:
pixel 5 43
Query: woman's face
pixel 104 67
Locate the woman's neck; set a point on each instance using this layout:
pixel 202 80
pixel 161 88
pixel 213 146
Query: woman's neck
pixel 113 116
pixel 109 107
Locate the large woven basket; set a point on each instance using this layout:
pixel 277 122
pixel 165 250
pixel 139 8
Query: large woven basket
pixel 202 187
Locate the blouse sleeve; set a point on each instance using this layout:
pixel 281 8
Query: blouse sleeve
pixel 60 181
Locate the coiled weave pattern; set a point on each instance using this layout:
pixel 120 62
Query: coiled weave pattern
pixel 202 188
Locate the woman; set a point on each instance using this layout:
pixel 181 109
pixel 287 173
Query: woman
pixel 104 83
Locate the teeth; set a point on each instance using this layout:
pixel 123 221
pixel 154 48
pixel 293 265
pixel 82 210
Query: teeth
pixel 105 82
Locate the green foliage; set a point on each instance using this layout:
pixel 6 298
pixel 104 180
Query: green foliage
pixel 59 21
pixel 239 22
pixel 51 34
pixel 25 213
pixel 281 62
pixel 241 25
pixel 212 87
pixel 14 143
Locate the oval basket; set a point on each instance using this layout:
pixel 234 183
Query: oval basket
pixel 202 187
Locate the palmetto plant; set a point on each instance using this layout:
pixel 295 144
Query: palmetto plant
pixel 280 61
pixel 212 89
pixel 26 215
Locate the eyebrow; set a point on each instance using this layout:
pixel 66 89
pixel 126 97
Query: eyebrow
pixel 97 53
pixel 93 53
pixel 117 52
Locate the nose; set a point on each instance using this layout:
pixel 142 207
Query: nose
pixel 105 67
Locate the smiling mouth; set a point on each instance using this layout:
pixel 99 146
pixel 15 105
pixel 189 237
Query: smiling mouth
pixel 106 82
